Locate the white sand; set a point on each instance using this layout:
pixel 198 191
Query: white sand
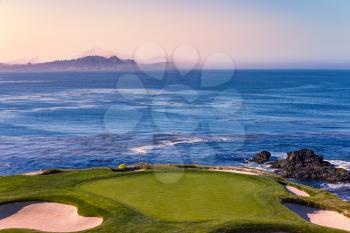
pixel 34 173
pixel 245 171
pixel 297 192
pixel 140 170
pixel 325 218
pixel 45 216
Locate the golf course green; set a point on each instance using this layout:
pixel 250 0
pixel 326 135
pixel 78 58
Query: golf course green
pixel 185 200
pixel 196 196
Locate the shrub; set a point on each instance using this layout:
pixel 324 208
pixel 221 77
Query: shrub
pixel 122 167
pixel 50 171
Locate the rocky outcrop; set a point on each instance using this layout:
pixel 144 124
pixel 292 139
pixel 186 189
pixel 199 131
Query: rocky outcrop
pixel 304 164
pixel 261 157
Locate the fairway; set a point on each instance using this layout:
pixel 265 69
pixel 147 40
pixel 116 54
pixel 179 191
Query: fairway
pixel 192 196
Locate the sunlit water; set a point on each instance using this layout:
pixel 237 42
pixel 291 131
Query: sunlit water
pixel 78 120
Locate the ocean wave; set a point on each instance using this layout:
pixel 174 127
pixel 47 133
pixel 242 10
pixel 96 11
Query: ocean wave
pixel 78 107
pixel 278 155
pixel 337 186
pixel 264 167
pixel 23 81
pixel 170 143
pixel 67 95
pixel 146 148
pixel 341 190
pixel 340 164
pixel 140 91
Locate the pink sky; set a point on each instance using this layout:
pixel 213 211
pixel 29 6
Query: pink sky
pixel 254 33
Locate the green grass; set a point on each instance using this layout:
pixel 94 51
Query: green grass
pixel 172 201
pixel 196 196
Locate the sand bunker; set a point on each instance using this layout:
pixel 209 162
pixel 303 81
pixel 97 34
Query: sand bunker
pixel 321 217
pixel 237 170
pixel 296 191
pixel 34 173
pixel 45 216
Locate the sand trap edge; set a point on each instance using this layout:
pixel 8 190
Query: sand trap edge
pixel 45 216
pixel 326 218
pixel 296 191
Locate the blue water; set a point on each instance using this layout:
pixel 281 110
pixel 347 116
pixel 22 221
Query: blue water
pixel 78 120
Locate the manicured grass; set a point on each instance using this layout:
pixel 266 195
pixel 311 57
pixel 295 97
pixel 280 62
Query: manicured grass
pixel 196 196
pixel 171 201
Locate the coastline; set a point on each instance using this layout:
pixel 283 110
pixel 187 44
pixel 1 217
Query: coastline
pixel 238 169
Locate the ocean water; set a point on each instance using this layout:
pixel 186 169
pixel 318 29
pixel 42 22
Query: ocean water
pixel 79 120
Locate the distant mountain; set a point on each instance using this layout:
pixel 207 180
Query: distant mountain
pixel 88 63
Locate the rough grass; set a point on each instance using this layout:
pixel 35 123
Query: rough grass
pixel 170 201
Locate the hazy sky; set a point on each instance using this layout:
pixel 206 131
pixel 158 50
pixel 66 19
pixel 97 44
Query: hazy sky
pixel 254 32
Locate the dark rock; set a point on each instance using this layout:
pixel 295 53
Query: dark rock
pixel 278 164
pixel 304 156
pixel 261 157
pixel 304 164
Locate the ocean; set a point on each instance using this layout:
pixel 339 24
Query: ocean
pixel 80 120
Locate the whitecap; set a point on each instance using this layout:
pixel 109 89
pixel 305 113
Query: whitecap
pixel 278 155
pixel 340 164
pixel 341 190
pixel 166 143
pixel 189 140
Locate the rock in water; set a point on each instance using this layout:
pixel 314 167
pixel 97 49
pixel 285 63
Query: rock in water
pixel 261 157
pixel 304 164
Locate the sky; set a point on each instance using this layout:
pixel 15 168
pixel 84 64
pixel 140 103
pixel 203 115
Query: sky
pixel 254 33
